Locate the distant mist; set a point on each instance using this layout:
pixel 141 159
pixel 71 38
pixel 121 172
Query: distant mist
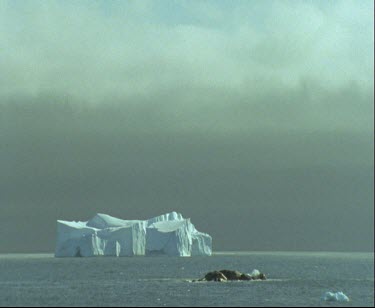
pixel 254 119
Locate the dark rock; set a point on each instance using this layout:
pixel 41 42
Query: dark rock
pixel 262 276
pixel 215 276
pixel 231 275
pixel 246 277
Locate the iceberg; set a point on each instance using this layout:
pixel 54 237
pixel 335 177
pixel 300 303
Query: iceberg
pixel 335 297
pixel 103 235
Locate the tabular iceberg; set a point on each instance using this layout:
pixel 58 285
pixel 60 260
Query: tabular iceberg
pixel 103 235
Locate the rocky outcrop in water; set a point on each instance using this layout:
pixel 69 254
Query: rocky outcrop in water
pixel 228 275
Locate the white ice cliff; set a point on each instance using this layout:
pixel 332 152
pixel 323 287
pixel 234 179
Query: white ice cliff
pixel 103 235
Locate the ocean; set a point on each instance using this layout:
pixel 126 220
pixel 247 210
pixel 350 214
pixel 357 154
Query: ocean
pixel 294 279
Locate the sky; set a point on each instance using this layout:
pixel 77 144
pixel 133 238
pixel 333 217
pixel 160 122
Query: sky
pixel 253 118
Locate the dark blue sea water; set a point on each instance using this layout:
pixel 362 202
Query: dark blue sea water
pixel 295 279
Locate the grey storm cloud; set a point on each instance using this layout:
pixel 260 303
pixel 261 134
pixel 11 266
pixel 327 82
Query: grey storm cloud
pixel 252 118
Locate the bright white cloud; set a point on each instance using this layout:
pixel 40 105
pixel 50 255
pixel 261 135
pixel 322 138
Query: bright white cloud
pixel 83 48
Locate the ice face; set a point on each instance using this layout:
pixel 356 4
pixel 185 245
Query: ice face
pixel 335 297
pixel 103 235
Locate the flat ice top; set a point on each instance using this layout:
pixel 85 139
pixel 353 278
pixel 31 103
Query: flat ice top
pixel 167 225
pixel 164 223
pixel 74 224
pixel 103 221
